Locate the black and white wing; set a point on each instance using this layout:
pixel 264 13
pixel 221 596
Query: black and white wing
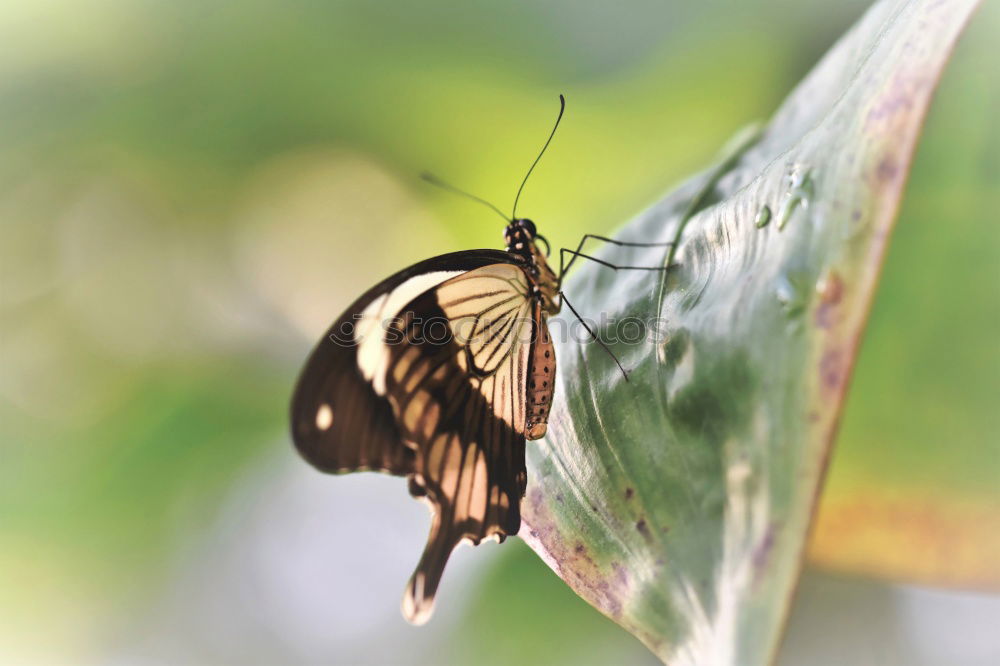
pixel 425 376
pixel 342 422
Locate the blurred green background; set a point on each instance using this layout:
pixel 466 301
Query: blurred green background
pixel 191 191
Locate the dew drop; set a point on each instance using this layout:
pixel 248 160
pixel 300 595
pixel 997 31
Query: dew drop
pixel 799 193
pixel 785 291
pixel 791 294
pixel 763 217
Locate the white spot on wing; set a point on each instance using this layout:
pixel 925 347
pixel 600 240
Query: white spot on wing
pixel 324 417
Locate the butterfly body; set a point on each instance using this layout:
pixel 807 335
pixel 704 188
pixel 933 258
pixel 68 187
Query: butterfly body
pixel 520 237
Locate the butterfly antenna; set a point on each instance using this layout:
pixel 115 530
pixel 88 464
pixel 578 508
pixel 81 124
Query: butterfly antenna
pixel 562 107
pixel 434 180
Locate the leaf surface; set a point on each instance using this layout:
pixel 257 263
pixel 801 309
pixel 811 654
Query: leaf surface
pixel 678 502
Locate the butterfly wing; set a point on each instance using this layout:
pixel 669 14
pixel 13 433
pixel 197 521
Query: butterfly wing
pixel 425 376
pixel 457 386
pixel 341 418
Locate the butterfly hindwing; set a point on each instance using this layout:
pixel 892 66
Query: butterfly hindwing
pixel 457 386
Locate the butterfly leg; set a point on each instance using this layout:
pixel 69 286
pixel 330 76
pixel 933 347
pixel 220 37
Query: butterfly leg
pixel 563 299
pixel 564 266
pixel 617 267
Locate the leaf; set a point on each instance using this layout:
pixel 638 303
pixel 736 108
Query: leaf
pixel 678 502
pixel 912 493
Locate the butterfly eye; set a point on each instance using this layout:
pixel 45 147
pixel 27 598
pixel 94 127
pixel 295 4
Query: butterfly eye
pixel 528 226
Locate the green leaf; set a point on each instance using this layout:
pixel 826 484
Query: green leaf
pixel 913 487
pixel 678 502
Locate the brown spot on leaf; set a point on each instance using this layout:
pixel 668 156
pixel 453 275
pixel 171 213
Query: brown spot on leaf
pixel 536 497
pixel 643 529
pixel 831 370
pixel 628 493
pixel 891 105
pixel 887 169
pixel 621 575
pixel 831 292
pixel 762 552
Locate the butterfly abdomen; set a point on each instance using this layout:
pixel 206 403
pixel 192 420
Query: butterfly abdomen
pixel 541 380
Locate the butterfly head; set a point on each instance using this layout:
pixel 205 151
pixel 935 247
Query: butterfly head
pixel 522 239
pixel 520 236
pixel 527 225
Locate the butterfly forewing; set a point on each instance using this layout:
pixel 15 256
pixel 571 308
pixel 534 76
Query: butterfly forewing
pixel 341 420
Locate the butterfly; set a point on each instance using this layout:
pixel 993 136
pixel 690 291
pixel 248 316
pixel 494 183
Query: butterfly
pixel 441 373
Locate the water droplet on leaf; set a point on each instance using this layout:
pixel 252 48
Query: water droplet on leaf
pixel 799 193
pixel 763 217
pixel 792 294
